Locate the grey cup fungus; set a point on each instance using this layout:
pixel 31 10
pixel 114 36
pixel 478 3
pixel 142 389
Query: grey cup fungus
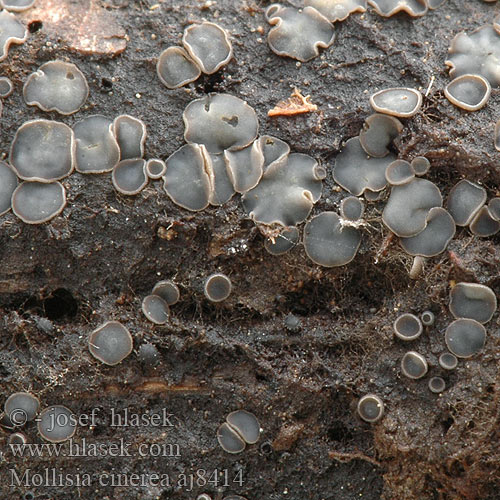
pixel 465 200
pixel 372 196
pixel 11 31
pixel 427 318
pixel 370 408
pixel 222 190
pixel 399 172
pixel 129 176
pixel 56 86
pixel 357 172
pixel 155 168
pixel 97 150
pixel 130 133
pixel 465 337
pixel 448 361
pixel 16 5
pixel 217 287
pixel 155 309
pixel 352 208
pixel 245 167
pixel 407 327
pixel 208 45
pixel 6 87
pixel 437 385
pixel 220 122
pixel 377 134
pixel 413 365
pixel 18 438
pixel 408 206
pixel 420 165
pixel 494 208
pixel 469 92
pixel 284 242
pixel 21 407
pixel 273 149
pixel 175 68
pixel 229 440
pixel 337 10
pixel 473 301
pixel 434 238
pixel 56 424
pixel 298 33
pixel 38 202
pixel 328 243
pixel 43 150
pixel 484 224
pixel 497 136
pixel 245 424
pixel 398 101
pixel 188 180
pixel 287 191
pixel 168 291
pixel 111 343
pixel 8 183
pixel 387 8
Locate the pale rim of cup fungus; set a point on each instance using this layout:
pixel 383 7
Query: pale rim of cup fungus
pixel 240 428
pixel 370 408
pixel 229 440
pixel 110 343
pixel 448 361
pixel 352 208
pixel 338 10
pixel 387 8
pixel 11 31
pixel 217 287
pixel 465 337
pixel 56 86
pixel 130 133
pixel 484 224
pixel 21 407
pixel 168 291
pixel 473 301
pixel 420 165
pixel 155 168
pixel 465 200
pixel 414 365
pixel 407 327
pixel 56 424
pixel 427 318
pixel 437 384
pixel 155 309
pixel 401 102
pixel 16 5
pixel 469 92
pixel 18 438
pixel 8 184
pixel 175 68
pixel 377 134
pixel 399 172
pixel 6 87
pixel 129 176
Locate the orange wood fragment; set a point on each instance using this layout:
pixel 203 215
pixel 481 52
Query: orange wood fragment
pixel 296 104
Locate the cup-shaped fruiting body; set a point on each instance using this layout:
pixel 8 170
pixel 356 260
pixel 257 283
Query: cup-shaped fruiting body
pixel 56 86
pixel 448 361
pixel 208 45
pixel 220 122
pixel 494 208
pixel 129 176
pixel 16 5
pixel 222 190
pixel 484 224
pixel 434 238
pixel 497 136
pixel 408 206
pixel 287 191
pixel 97 150
pixel 155 168
pixel 407 327
pixel 18 439
pixel 6 86
pixel 437 385
pixel 273 149
pixel 56 424
pixel 370 408
pixel 465 337
pixel 476 54
pixel 399 172
pixel 21 407
pixel 427 318
pixel 372 196
pixel 175 68
pixel 398 101
pixel 387 8
pixel 130 133
pixel 43 150
pixel 168 291
pixel 469 92
pixel 352 208
pixel 111 343
pixel 357 172
pixel 229 440
pixel 413 365
pixel 298 34
pixel 8 183
pixel 155 309
pixel 473 301
pixel 465 200
pixel 378 132
pixel 11 31
pixel 337 10
pixel 245 167
pixel 188 180
pixel 420 165
pixel 148 354
pixel 328 243
pixel 245 424
pixel 5 422
pixel 38 202
pixel 284 242
pixel 217 287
